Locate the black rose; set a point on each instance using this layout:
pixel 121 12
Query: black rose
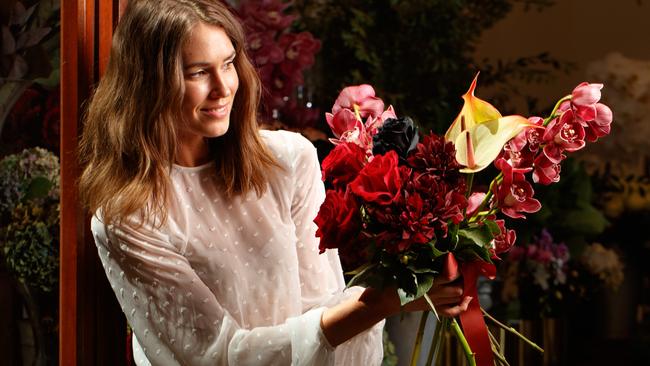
pixel 399 134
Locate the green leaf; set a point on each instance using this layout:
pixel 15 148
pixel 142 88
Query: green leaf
pixel 480 235
pixel 493 226
pixel 425 282
pixel 359 269
pixel 361 277
pixel 435 251
pixel 474 252
pixel 38 187
pixel 413 287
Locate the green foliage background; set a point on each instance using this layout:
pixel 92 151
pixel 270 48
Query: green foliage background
pixel 418 54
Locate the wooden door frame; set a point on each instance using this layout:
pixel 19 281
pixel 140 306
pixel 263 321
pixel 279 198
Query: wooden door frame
pixel 91 323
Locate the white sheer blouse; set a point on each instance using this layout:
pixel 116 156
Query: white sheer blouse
pixel 236 282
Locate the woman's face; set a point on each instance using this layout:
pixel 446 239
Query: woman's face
pixel 210 82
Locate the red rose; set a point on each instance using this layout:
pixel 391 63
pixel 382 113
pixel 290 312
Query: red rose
pixel 338 221
pixel 379 181
pixel 343 164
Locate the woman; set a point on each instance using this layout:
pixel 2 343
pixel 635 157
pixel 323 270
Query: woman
pixel 204 224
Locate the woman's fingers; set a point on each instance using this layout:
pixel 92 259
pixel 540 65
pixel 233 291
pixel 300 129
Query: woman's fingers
pixel 447 301
pixel 442 291
pixel 441 280
pixel 453 311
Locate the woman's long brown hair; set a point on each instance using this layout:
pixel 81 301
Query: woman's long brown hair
pixel 129 139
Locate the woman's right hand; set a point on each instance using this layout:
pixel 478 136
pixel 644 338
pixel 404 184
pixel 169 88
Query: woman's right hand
pixel 447 297
pixel 347 319
pixel 446 294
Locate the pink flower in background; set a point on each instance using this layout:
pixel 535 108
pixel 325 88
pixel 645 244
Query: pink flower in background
pixel 265 14
pixel 281 57
pixel 515 195
pixel 263 48
pixel 299 50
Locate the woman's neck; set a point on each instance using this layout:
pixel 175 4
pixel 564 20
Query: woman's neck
pixel 192 151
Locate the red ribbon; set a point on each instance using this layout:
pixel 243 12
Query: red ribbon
pixel 472 320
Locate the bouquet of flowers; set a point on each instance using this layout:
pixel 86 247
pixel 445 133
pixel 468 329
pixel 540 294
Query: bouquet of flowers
pixel 402 210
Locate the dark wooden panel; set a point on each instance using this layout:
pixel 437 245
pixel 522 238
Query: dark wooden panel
pixel 92 326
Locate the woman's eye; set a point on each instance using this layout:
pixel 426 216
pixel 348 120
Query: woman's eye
pixel 229 65
pixel 197 74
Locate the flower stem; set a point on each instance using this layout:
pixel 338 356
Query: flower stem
pixel 470 181
pixel 471 361
pixel 496 349
pixel 435 343
pixel 433 308
pixel 488 195
pixel 557 105
pixel 418 339
pixel 513 331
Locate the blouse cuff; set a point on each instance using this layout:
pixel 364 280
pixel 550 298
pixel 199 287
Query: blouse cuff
pixel 308 342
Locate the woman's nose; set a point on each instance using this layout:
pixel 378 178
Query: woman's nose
pixel 219 88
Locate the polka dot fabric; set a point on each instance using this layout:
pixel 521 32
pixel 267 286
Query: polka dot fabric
pixel 233 282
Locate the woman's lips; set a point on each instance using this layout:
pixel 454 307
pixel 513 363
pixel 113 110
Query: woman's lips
pixel 218 112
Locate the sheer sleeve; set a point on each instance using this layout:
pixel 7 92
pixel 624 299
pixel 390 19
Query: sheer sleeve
pixel 321 276
pixel 176 318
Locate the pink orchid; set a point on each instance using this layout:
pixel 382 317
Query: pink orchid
pixel 299 50
pixel 584 98
pixel 522 149
pixel 601 125
pixel 266 14
pixel 373 124
pixel 563 134
pixel 473 203
pixel 342 121
pixel 505 240
pixel 515 194
pixel 545 171
pixel 263 49
pixel 361 100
